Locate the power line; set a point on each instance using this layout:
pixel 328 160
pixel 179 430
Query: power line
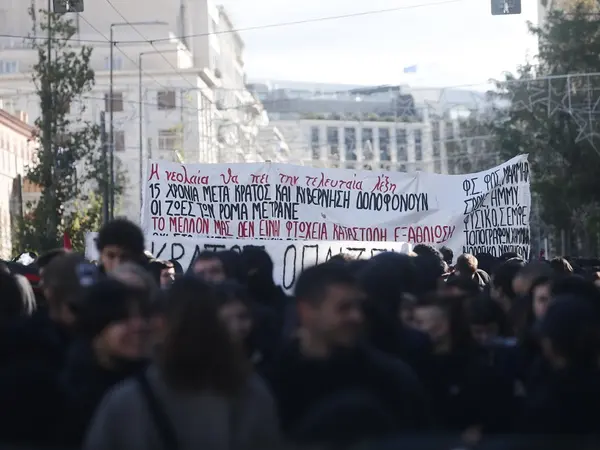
pixel 251 28
pixel 151 43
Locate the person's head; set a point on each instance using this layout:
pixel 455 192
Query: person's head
pixel 448 255
pixel 433 317
pixel 210 267
pixel 47 258
pixel 569 333
pixel 466 265
pixel 163 272
pixel 502 283
pixel 12 301
pixel 486 319
pixel 458 286
pixel 258 269
pixel 114 318
pixel 62 287
pixel 120 241
pixel 198 351
pixel 135 276
pixel 385 279
pixel 540 294
pixel 521 283
pixel 443 318
pixel 431 270
pixel 329 307
pixel 234 309
pixel 561 266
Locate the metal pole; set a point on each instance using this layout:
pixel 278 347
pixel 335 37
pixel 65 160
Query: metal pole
pixel 111 137
pixel 105 179
pixel 141 126
pixel 48 121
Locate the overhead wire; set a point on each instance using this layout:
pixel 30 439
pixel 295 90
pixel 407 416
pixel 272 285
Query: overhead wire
pixel 252 28
pixel 151 42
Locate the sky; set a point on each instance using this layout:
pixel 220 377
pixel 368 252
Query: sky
pixel 458 44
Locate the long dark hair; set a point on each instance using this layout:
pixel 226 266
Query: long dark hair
pixel 198 352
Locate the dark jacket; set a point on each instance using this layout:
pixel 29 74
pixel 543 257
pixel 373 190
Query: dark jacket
pixel 566 402
pixel 468 389
pixel 339 395
pixel 87 383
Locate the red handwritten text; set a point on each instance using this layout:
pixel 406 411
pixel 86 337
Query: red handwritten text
pixel 384 185
pixel 288 180
pixel 154 172
pixel 229 177
pixel 324 182
pixel 310 231
pixel 259 179
pixel 341 233
pixel 434 234
pixel 183 177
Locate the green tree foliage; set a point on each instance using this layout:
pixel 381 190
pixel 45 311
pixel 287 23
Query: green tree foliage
pixel 71 168
pixel 550 111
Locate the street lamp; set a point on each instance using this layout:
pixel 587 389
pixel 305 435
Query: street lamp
pixel 111 130
pixel 140 115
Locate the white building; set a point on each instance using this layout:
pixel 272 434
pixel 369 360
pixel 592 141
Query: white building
pixel 177 108
pixel 194 106
pixel 17 152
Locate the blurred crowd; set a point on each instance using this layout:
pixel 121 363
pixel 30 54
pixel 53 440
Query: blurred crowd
pixel 130 352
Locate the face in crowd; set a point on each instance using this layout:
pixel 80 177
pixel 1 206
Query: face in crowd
pixel 112 256
pixel 238 319
pixel 333 317
pixel 126 338
pixel 167 277
pixel 210 269
pixel 433 321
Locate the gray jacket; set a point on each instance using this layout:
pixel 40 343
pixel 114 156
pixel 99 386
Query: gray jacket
pixel 200 421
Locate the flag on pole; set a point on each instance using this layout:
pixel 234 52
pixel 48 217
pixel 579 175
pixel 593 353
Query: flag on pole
pixel 410 69
pixel 67 241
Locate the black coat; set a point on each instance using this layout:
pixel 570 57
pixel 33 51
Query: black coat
pixel 363 380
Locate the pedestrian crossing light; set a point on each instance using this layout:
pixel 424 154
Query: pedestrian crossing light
pixel 506 7
pixel 68 6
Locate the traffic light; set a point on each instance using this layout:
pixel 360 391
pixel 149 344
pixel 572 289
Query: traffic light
pixel 68 6
pixel 504 7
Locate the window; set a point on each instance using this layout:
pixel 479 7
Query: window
pixel 350 143
pixel 402 154
pixel 166 100
pixel 367 143
pixel 384 144
pixel 449 135
pixel 333 142
pixel 418 145
pixel 117 102
pixel 437 166
pixel 9 66
pixel 315 143
pixel 119 137
pixel 168 140
pixel 117 63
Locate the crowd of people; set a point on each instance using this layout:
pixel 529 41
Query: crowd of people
pixel 131 353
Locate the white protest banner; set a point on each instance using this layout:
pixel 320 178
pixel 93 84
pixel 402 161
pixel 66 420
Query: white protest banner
pixel 481 212
pixel 289 257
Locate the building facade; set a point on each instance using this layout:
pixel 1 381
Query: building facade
pixel 193 106
pixel 17 152
pixel 388 127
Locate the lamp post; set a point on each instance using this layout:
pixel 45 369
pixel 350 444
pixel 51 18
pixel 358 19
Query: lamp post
pixel 111 129
pixel 141 116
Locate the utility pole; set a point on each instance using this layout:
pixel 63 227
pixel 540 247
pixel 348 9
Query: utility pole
pixel 47 131
pixel 105 170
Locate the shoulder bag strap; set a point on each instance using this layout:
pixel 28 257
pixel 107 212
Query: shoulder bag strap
pixel 159 416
